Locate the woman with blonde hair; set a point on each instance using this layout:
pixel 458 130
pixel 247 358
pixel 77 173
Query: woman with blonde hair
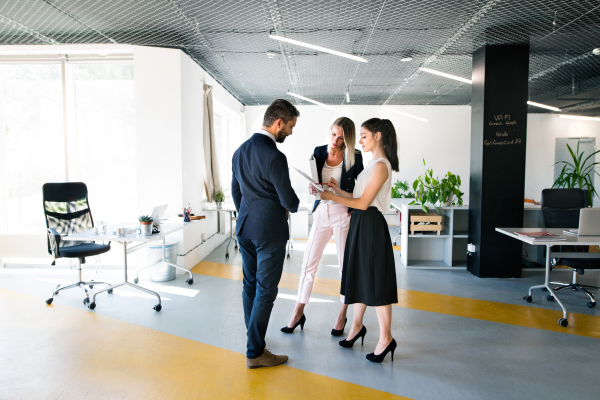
pixel 369 270
pixel 337 160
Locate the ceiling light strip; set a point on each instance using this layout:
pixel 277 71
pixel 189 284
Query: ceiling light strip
pixel 579 117
pixel 531 103
pixel 312 101
pixel 318 48
pixel 456 78
pixel 405 114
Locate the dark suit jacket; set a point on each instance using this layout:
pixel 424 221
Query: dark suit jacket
pixel 262 190
pixel 348 177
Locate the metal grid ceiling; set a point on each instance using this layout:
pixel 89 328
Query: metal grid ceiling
pixel 230 40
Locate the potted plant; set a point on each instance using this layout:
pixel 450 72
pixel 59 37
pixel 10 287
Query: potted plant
pixel 218 197
pixel 146 225
pixel 400 190
pixel 430 190
pixel 578 174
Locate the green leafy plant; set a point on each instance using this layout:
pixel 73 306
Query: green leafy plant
pixel 400 190
pixel 218 195
pixel 578 174
pixel 430 190
pixel 146 218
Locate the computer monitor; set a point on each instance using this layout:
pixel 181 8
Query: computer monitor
pixel 158 213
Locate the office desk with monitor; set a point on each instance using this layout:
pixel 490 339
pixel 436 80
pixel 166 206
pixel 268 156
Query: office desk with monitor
pixel 126 240
pixel 571 240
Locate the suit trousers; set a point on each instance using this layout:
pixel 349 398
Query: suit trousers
pixel 263 266
pixel 328 220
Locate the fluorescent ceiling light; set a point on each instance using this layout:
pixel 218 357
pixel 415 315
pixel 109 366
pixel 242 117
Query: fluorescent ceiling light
pixel 318 48
pixel 406 59
pixel 579 117
pixel 312 101
pixel 405 114
pixel 531 103
pixel 458 78
pixel 348 97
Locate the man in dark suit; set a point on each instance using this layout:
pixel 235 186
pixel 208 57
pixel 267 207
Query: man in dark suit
pixel 263 196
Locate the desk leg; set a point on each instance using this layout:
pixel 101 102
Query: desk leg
pixel 230 235
pixel 552 296
pixel 109 289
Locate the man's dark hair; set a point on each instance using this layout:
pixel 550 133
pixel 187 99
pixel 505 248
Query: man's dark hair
pixel 280 109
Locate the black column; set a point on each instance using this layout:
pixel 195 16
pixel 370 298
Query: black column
pixel 498 135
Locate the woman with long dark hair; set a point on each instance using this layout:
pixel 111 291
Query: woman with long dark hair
pixel 369 273
pixel 341 161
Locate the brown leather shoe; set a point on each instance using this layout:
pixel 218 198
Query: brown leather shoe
pixel 267 359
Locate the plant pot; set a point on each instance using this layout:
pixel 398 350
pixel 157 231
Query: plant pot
pixel 146 228
pixel 449 200
pixel 219 205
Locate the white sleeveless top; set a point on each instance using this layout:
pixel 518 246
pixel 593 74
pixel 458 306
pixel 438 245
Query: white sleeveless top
pixel 331 172
pixel 383 199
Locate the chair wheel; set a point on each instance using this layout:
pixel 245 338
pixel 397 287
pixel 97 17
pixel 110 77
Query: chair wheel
pixel 236 248
pixel 190 281
pixel 227 256
pixel 563 322
pixel 136 280
pixel 86 301
pixel 550 297
pixel 49 301
pixel 91 286
pixel 109 291
pixel 92 306
pixel 591 304
pixel 288 256
pixel 157 307
pixel 55 293
pixel 529 299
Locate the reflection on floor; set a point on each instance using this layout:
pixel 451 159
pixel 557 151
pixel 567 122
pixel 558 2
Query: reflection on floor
pixel 459 337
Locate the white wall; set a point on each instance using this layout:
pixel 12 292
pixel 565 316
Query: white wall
pixel 542 131
pixel 444 141
pixel 169 118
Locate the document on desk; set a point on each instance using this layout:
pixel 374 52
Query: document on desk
pixel 312 182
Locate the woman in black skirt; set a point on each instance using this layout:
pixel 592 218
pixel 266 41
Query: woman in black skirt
pixel 369 272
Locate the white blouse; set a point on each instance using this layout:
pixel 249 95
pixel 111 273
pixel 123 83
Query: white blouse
pixel 332 172
pixel 383 200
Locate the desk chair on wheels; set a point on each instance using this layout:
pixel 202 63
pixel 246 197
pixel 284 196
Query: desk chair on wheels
pixel 560 209
pixel 67 211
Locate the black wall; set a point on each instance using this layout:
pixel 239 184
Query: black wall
pixel 498 137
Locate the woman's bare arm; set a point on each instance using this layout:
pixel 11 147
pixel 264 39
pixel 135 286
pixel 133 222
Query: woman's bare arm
pixel 380 175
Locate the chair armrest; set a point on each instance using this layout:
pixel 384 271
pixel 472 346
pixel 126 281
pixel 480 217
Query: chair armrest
pixel 54 238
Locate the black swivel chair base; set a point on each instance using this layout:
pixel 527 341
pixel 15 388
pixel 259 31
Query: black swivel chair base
pixel 576 286
pixel 81 284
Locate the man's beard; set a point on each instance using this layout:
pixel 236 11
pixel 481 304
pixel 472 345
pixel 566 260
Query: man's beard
pixel 281 135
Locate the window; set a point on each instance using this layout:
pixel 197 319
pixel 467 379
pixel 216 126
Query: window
pixel 228 137
pixel 98 147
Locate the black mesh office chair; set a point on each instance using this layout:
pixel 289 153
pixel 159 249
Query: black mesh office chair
pixel 67 212
pixel 560 208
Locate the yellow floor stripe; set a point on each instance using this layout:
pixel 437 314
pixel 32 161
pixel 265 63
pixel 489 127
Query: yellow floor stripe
pixel 526 316
pixel 59 352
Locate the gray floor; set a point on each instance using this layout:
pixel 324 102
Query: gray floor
pixel 439 356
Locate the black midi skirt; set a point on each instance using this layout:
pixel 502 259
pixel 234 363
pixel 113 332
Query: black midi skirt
pixel 369 270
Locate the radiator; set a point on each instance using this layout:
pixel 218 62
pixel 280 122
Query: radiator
pixel 30 246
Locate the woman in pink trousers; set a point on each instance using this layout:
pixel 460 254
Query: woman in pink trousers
pixel 341 161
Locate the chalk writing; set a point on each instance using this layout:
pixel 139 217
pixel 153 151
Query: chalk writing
pixel 501 142
pixel 501 133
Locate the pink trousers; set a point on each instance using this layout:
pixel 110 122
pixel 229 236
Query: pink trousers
pixel 328 220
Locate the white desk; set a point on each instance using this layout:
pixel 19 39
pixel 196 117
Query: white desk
pixel 165 229
pixel 230 208
pixel 571 240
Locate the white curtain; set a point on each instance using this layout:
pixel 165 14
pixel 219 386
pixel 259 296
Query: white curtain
pixel 211 166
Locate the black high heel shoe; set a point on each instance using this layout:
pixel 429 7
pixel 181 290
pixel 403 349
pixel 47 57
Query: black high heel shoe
pixel 339 332
pixel 379 357
pixel 349 343
pixel 300 322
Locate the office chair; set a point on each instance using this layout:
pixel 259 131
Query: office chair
pixel 560 209
pixel 67 212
